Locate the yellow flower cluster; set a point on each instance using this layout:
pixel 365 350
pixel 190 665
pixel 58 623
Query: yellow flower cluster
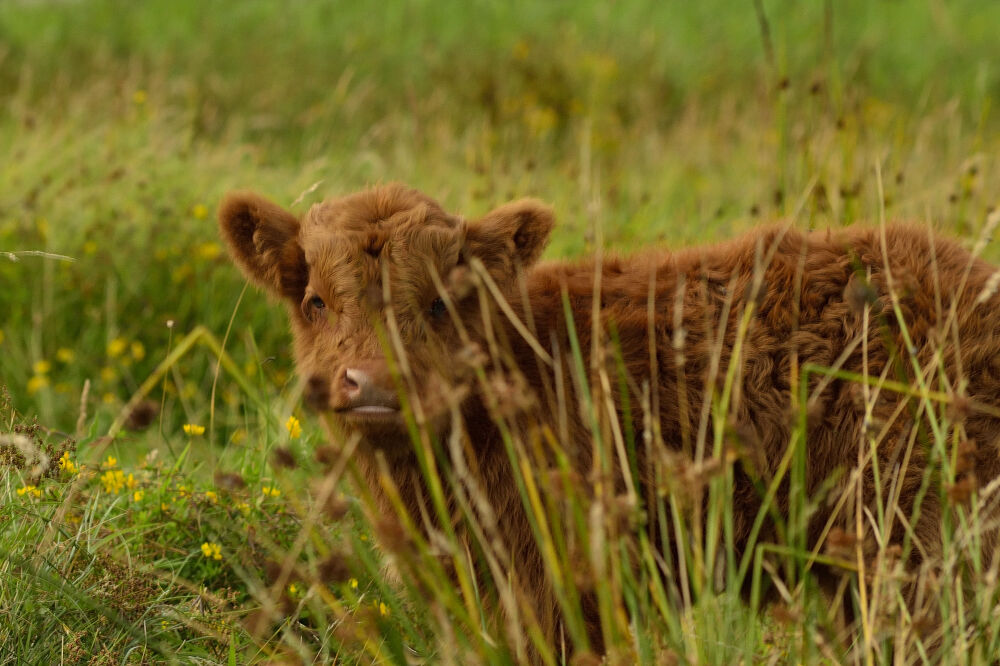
pixel 67 465
pixel 30 491
pixel 37 383
pixel 271 491
pixel 209 251
pixel 294 428
pixel 41 377
pixel 211 550
pixel 119 346
pixel 193 430
pixel 114 481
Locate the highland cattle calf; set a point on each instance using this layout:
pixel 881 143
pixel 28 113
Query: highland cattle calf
pixel 711 352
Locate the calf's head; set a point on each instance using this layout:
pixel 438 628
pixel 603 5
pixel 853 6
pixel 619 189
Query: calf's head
pixel 351 263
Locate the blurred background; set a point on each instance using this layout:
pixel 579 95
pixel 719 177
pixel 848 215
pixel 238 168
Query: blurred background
pixel 122 123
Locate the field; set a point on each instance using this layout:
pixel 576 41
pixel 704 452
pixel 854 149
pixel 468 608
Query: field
pixel 161 499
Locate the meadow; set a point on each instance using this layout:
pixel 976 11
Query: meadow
pixel 164 497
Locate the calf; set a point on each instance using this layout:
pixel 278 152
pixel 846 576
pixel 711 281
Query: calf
pixel 390 268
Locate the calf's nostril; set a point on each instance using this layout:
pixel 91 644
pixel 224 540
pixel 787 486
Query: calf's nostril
pixel 353 379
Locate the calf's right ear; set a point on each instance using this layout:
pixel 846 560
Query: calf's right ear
pixel 263 239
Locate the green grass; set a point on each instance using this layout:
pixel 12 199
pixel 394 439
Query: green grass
pixel 122 124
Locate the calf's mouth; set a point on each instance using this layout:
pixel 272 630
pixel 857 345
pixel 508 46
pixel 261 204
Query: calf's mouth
pixel 354 395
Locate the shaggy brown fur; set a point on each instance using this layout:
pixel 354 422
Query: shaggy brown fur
pixel 824 298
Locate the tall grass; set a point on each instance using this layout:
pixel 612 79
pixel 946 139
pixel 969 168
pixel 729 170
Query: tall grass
pixel 123 123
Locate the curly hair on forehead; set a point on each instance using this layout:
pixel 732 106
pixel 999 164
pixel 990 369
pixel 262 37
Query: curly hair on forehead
pixel 376 206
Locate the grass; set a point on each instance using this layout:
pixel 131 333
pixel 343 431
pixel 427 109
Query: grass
pixel 123 124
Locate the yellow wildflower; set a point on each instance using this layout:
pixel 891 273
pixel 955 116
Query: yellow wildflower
pixel 383 610
pixel 90 247
pixel 139 97
pixel 200 211
pixel 243 507
pixel 111 461
pixel 116 347
pixel 541 119
pixel 108 398
pixel 209 251
pixel 30 491
pixel 130 482
pixel 137 496
pixel 211 496
pixel 180 273
pixel 41 367
pixel 294 427
pixel 67 465
pixel 193 429
pixel 113 481
pixel 37 383
pixel 65 355
pixel 354 583
pixel 293 589
pixel 271 491
pixel 108 374
pixel 138 350
pixel 211 550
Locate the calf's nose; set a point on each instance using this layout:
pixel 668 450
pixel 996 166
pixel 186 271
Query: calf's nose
pixel 356 382
pixel 362 384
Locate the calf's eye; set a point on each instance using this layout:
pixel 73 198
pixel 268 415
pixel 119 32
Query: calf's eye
pixel 438 307
pixel 311 307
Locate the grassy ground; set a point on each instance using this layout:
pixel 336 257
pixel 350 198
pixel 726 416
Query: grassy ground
pixel 123 123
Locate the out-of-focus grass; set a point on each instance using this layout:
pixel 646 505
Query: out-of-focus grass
pixel 123 123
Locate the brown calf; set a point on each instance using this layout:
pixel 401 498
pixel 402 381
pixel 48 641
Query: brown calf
pixel 390 263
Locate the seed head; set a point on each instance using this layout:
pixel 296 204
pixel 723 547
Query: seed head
pixel 142 415
pixel 334 568
pixel 283 457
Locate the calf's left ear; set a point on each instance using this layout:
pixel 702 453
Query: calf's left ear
pixel 512 235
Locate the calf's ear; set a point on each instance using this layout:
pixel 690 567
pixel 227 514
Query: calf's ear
pixel 263 239
pixel 511 236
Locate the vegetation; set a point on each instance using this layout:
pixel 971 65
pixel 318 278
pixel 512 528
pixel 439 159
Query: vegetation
pixel 162 494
